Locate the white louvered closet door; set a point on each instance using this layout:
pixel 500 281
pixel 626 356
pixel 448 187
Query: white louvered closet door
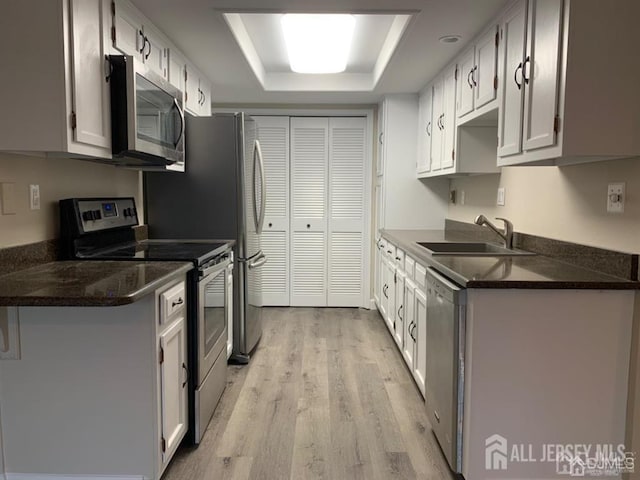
pixel 309 168
pixel 346 225
pixel 274 141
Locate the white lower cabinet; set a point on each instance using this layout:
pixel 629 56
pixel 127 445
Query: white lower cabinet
pixel 409 343
pixel 115 381
pixel 419 334
pixel 173 386
pixel 403 305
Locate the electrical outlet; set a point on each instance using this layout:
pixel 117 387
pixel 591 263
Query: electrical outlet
pixel 462 197
pixel 500 200
pixel 34 197
pixel 615 197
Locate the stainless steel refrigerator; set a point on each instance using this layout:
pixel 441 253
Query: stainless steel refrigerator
pixel 221 195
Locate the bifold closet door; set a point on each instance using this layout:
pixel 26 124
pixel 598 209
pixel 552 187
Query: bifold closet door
pixel 309 170
pixel 273 133
pixel 346 212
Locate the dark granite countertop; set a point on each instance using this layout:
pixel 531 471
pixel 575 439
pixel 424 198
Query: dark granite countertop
pixel 535 272
pixel 87 283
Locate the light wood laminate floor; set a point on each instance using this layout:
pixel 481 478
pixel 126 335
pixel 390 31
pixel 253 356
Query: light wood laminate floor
pixel 326 395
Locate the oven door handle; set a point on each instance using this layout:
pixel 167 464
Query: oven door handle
pixel 213 269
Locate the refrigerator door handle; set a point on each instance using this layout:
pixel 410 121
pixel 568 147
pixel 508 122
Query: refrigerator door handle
pixel 260 260
pixel 263 189
pixel 255 193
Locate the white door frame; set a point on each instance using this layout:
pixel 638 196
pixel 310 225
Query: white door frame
pixel 365 111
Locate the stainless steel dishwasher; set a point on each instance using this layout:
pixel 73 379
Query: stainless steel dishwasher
pixel 446 305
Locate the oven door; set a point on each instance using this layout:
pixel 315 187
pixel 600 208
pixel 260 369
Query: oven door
pixel 213 310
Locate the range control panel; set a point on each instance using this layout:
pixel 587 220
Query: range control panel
pixel 102 214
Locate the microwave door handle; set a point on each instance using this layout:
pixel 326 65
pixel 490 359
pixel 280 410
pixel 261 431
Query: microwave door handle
pixel 263 188
pixel 181 115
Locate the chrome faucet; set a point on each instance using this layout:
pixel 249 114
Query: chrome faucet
pixel 506 234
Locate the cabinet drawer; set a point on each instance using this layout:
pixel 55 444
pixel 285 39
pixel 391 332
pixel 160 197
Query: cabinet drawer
pixel 409 265
pixel 399 258
pixel 421 276
pixel 171 301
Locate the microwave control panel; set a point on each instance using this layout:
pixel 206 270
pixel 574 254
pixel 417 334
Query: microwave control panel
pixel 103 214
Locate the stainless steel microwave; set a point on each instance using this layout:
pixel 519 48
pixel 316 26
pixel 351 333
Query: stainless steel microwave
pixel 147 116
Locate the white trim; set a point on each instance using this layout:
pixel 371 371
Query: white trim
pixel 333 111
pixel 42 476
pixel 334 82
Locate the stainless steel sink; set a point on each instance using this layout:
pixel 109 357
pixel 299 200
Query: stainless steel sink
pixel 476 249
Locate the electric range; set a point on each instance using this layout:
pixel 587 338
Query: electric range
pixel 104 229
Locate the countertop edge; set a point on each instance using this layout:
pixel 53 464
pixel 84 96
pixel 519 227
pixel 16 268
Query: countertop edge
pixel 432 261
pixel 62 301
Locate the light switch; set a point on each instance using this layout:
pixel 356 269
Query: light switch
pixel 34 197
pixel 8 198
pixel 501 197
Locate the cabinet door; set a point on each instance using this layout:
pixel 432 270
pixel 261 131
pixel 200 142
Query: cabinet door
pixel 425 130
pixel 408 347
pixel 513 34
pixel 192 89
pixel 466 85
pixel 420 335
pixel 176 65
pixel 398 334
pixel 129 37
pixel 90 88
pixel 205 103
pixel 309 158
pixel 379 204
pixel 173 387
pixel 377 282
pixel 384 288
pixel 541 72
pixel 346 211
pixel 437 125
pixel 486 69
pixel 391 293
pixel 273 133
pixel 155 52
pixel 380 143
pixel 449 119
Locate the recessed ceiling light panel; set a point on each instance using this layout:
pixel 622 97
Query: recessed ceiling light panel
pixel 450 39
pixel 318 43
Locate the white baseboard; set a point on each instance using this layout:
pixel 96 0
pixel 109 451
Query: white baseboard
pixel 41 476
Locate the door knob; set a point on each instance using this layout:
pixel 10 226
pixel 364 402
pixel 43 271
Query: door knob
pixel 308 225
pixel 270 225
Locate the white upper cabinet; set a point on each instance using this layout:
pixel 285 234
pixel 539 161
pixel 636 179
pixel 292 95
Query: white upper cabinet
pixel 466 93
pixel 477 77
pixel 513 34
pixel 485 77
pixel 133 35
pixel 437 127
pixel 449 119
pixel 57 97
pixel 569 95
pixel 197 92
pixel 540 73
pixel 425 130
pixel 177 69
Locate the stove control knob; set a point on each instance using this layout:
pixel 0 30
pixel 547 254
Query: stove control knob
pixel 125 212
pixel 87 216
pixel 97 215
